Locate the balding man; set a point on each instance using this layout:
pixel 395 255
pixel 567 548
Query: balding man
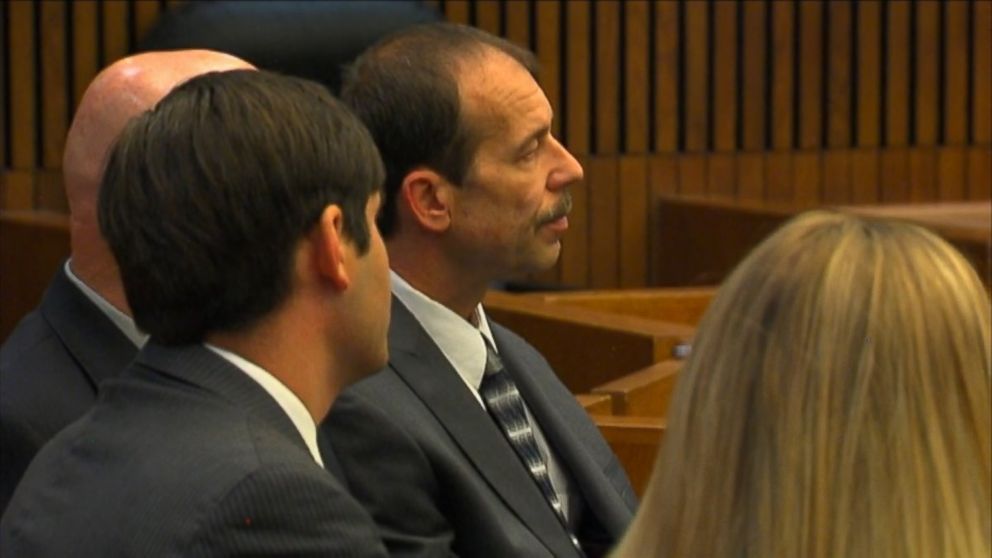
pixel 52 364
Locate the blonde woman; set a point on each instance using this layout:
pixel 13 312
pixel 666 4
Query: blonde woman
pixel 836 404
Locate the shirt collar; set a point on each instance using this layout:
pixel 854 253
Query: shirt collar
pixel 123 322
pixel 457 338
pixel 290 403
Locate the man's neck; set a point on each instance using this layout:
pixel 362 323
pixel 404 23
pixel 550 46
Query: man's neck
pixel 439 280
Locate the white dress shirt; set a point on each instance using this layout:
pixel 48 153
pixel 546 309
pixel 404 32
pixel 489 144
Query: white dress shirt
pixel 123 322
pixel 465 350
pixel 286 399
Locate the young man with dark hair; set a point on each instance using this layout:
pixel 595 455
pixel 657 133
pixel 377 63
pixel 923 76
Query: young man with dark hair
pixel 467 443
pixel 241 213
pixel 52 364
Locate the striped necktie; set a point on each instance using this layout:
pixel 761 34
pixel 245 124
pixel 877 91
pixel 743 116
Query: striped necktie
pixel 504 403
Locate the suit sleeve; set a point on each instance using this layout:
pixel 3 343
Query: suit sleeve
pixel 287 510
pixel 388 472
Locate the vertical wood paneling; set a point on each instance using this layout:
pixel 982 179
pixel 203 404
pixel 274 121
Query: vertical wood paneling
pixel 750 176
pixel 19 194
pixel 607 106
pixel 721 175
pixel 456 11
pixel 955 73
pixel 897 75
pixel 806 176
pixel 487 16
pixel 927 71
pixel 633 225
pixel 869 57
pixel 696 75
pixel 922 174
pixel 778 176
pixel 667 60
pixel 692 174
pixel 518 22
pixel 725 88
pixel 575 243
pixel 839 72
pixel 663 179
pixel 637 75
pixel 578 84
pixel 783 51
pixel 603 225
pixel 115 32
pixel 981 105
pixel 4 127
pixel 85 42
pixel 895 174
pixel 810 74
pixel 54 86
pixel 864 175
pixel 837 176
pixel 548 42
pixel 753 76
pixel 979 172
pixel 952 172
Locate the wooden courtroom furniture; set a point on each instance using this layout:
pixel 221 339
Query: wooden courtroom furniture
pixel 635 441
pixel 585 347
pixel 705 238
pixel 596 403
pixel 676 305
pixel 644 392
pixel 32 246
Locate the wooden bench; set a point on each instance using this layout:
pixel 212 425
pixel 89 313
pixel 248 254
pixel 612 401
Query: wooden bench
pixel 635 441
pixel 596 403
pixel 32 246
pixel 645 392
pixel 585 347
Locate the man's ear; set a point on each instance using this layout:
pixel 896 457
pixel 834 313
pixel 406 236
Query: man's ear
pixel 428 195
pixel 328 239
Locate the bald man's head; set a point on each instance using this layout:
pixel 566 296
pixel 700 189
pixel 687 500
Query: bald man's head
pixel 120 92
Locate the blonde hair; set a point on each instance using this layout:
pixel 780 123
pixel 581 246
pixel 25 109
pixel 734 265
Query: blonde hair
pixel 836 403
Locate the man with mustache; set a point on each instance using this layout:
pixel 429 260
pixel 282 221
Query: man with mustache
pixel 467 443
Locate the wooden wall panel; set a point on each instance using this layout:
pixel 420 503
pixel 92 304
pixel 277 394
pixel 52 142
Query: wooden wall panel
pixel 927 71
pixel 869 60
pixel 981 107
pixel 487 16
pixel 607 80
pixel 952 173
pixel 895 175
pixel 575 244
pixel 578 84
pixel 836 182
pixel 922 174
pixel 839 72
pixel 633 241
pixel 54 83
pixel 696 71
pixel 548 54
pixel 897 74
pixel 955 72
pixel 603 224
pixel 637 76
pixel 811 64
pixel 518 22
pixel 753 77
pixel 85 51
pixel 457 11
pixel 979 173
pixel 668 59
pixel 24 130
pixel 115 30
pixel 782 74
pixel 724 87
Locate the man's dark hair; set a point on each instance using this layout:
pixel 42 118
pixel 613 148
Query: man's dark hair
pixel 206 196
pixel 405 90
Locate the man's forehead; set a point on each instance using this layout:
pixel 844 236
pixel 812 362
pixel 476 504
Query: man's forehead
pixel 497 93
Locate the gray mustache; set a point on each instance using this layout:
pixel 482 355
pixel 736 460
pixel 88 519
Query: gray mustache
pixel 561 209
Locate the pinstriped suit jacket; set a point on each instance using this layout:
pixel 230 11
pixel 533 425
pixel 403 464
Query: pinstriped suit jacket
pixel 183 455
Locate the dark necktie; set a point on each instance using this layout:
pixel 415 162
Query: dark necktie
pixel 502 399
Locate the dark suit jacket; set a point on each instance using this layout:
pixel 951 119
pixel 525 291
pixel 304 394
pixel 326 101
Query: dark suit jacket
pixel 439 477
pixel 183 455
pixel 50 367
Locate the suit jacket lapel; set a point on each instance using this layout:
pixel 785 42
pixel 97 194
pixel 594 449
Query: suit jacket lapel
pixel 422 365
pixel 598 490
pixel 78 323
pixel 199 366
